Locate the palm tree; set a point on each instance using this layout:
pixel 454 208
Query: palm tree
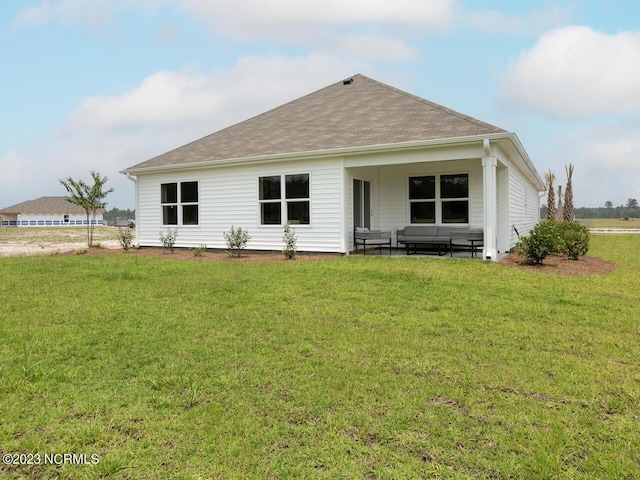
pixel 559 210
pixel 568 195
pixel 551 195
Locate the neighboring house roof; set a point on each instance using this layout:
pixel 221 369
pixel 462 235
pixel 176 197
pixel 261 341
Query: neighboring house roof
pixel 357 112
pixel 43 205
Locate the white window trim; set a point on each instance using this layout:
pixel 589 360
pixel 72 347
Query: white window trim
pixel 283 201
pixel 179 205
pixel 438 200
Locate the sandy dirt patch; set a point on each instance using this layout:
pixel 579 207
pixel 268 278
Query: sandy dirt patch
pixel 47 241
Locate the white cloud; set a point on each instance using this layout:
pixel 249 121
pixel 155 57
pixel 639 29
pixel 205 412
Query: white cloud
pixel 189 99
pixel 497 21
pixel 168 34
pixel 605 159
pixel 576 72
pixel 165 111
pixel 281 18
pixel 373 47
pixel 65 12
pixel 372 29
pixel 164 97
pixel 90 12
pixel 12 168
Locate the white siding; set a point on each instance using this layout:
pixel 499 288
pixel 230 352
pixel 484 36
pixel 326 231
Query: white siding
pixel 524 205
pixel 394 189
pixel 390 191
pixel 229 196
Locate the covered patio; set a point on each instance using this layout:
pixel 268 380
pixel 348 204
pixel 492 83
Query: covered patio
pixel 470 184
pixel 401 253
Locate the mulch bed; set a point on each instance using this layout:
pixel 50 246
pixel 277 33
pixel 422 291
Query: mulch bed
pixel 554 263
pixel 561 265
pixel 187 254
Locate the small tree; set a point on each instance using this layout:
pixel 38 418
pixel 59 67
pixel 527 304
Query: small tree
pixel 236 240
pixel 125 237
pixel 551 195
pixel 290 248
pixel 568 195
pixel 169 239
pixel 89 197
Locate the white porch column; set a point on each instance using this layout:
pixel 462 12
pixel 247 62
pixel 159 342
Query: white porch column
pixel 134 179
pixel 489 167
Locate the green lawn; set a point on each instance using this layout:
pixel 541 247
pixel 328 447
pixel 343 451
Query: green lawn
pixel 355 367
pixel 609 223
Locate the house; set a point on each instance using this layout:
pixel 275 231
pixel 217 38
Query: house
pixel 47 212
pixel 357 153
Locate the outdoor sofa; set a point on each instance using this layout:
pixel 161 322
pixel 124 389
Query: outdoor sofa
pixel 442 238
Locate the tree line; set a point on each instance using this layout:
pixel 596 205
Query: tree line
pixel 624 212
pixel 116 213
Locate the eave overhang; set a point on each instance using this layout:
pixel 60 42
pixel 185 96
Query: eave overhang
pixel 357 150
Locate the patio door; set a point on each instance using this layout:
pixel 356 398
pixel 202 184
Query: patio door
pixel 361 203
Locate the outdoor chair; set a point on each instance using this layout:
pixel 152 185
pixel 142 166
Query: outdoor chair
pixel 374 238
pixel 467 239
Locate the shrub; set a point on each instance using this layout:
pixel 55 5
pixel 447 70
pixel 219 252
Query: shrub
pixel 125 237
pixel 551 236
pixel 199 251
pixel 236 239
pixel 575 240
pixel 169 239
pixel 540 243
pixel 290 242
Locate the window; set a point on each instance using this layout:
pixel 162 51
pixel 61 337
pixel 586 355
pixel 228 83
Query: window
pixel 293 189
pixel 185 207
pixel 270 195
pixel 439 199
pixel 422 199
pixel 297 196
pixel 454 192
pixel 189 199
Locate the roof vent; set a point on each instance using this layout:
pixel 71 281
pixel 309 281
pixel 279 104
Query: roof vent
pixel 348 81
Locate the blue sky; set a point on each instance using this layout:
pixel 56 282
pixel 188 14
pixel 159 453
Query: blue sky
pixel 103 85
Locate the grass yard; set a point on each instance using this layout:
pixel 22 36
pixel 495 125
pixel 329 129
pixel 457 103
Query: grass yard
pixel 608 223
pixel 355 367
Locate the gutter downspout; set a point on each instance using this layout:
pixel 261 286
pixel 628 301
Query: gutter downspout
pixel 134 179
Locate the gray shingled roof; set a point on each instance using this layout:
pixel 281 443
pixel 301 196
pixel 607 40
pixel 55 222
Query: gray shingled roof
pixel 44 205
pixel 357 114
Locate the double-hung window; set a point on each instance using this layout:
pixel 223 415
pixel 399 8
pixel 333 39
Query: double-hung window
pixel 439 199
pixel 422 199
pixel 270 200
pixel 284 197
pixel 179 203
pixel 454 195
